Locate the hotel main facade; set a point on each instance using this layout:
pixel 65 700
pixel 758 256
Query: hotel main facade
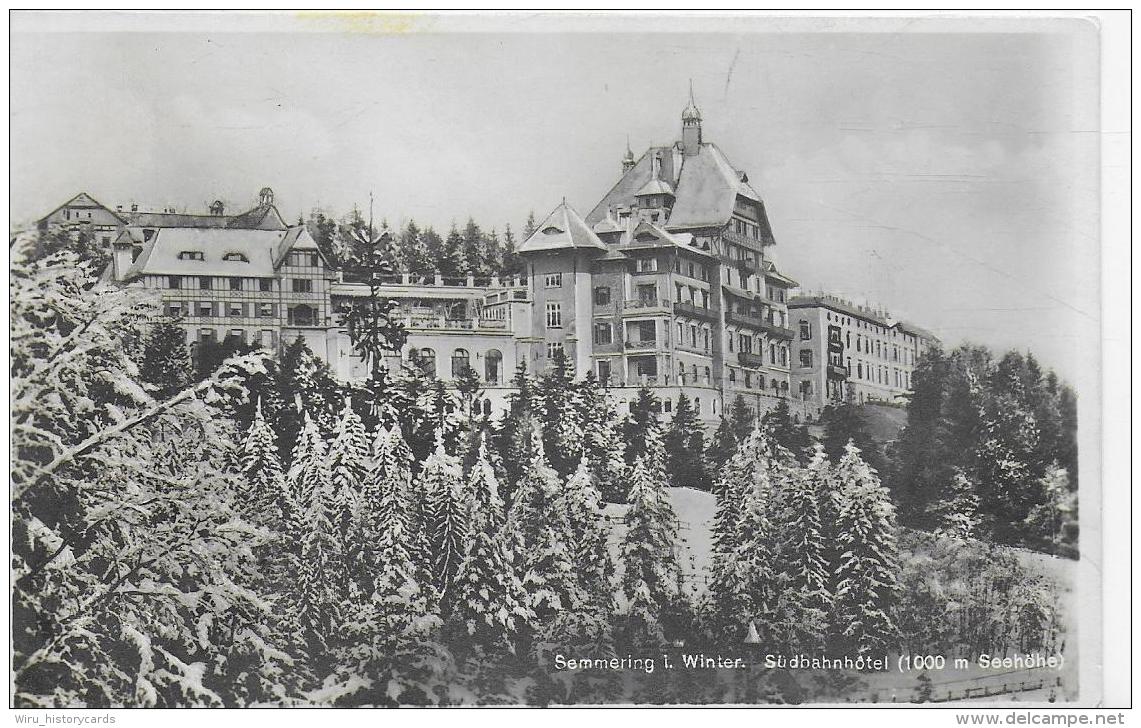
pixel 670 282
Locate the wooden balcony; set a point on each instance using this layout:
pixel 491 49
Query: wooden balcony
pixel 750 359
pixel 682 308
pixel 744 319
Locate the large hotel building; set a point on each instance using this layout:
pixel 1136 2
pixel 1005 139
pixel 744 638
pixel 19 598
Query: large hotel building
pixel 669 282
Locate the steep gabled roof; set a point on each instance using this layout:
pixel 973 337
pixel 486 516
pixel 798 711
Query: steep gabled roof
pixel 262 217
pixel 563 229
pixel 84 201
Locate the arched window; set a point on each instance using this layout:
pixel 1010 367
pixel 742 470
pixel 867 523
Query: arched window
pixel 707 374
pixel 693 371
pixel 697 405
pixel 425 360
pixel 680 373
pixel 487 407
pixel 776 384
pixel 732 375
pixel 492 366
pixel 460 362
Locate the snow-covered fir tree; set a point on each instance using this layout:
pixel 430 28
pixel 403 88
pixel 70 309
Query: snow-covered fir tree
pixel 268 500
pixel 445 520
pixel 537 531
pixel 742 587
pixel 130 555
pixel 347 462
pixel 490 603
pixel 802 560
pixel 590 556
pixel 868 570
pixel 956 514
pixel 651 572
pixel 321 577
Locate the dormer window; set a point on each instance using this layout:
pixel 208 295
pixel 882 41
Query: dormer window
pixel 551 230
pixel 236 257
pixel 192 255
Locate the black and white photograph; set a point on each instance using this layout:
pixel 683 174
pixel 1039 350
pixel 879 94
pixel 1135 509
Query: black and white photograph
pixel 365 359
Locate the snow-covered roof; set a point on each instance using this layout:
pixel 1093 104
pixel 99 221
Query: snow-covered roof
pixel 263 251
pixel 562 229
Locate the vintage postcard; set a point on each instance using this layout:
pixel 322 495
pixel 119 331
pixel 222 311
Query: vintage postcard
pixel 376 359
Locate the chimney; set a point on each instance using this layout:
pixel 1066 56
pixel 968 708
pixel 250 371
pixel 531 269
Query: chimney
pixel 134 208
pixel 122 255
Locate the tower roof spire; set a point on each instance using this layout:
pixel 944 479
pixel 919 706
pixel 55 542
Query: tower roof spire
pixel 691 115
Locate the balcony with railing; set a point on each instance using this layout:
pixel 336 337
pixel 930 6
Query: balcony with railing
pixel 837 371
pixel 749 359
pixel 682 308
pixel 729 236
pixel 744 319
pixel 777 330
pixel 646 305
pixel 435 322
pixel 749 264
pixel 694 348
pixel 641 345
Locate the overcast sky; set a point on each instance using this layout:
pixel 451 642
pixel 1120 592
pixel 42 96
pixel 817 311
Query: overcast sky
pixel 948 176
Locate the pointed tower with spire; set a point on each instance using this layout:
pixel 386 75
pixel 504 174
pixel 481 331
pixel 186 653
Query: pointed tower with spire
pixel 691 126
pixel 628 161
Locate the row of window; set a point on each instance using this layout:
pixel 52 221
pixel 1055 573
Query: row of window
pixel 299 315
pixel 880 374
pixel 425 360
pixel 199 255
pixel 265 338
pixel 778 354
pixel 775 384
pixel 234 283
pixel 869 326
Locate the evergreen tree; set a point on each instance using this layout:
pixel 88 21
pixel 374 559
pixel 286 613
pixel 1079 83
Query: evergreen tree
pixel 530 226
pixel 802 561
pixel 490 602
pixel 472 249
pixel 414 257
pixel 643 415
pixel 786 433
pixel 266 501
pixel 685 448
pixel 511 262
pixel 441 481
pixel 453 263
pixel 867 573
pixel 436 252
pixel 603 443
pixel 651 572
pixel 957 513
pixel 166 359
pixel 347 463
pixel 317 598
pixel 591 559
pixel 741 586
pixel 538 531
pixel 721 447
pixel 491 253
pixel 741 418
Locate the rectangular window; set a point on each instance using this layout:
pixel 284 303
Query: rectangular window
pixel 554 315
pixel 602 296
pixel 235 284
pixel 647 330
pixel 237 335
pixel 265 338
pixel 265 285
pixel 265 309
pixel 647 265
pixel 236 310
pixel 603 334
pixel 302 285
pixel 174 309
pixel 174 281
pixel 205 283
pixel 805 357
pixel 554 348
pixel 205 335
pixel 648 294
pixel 553 280
pixel 205 309
pixel 805 331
